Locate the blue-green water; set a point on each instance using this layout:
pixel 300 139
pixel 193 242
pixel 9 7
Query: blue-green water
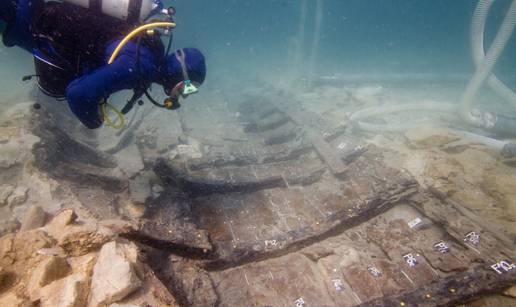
pixel 356 36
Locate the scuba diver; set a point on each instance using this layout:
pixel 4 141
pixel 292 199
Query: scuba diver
pixel 84 51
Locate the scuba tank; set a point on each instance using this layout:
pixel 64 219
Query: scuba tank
pixel 131 11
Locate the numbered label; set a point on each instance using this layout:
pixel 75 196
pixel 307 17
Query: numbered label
pixel 300 302
pixel 473 238
pixel 442 247
pixel 271 243
pixel 337 283
pixel 415 222
pixel 503 266
pixel 374 271
pixel 411 260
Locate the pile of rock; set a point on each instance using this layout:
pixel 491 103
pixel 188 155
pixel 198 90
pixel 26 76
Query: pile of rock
pixel 68 262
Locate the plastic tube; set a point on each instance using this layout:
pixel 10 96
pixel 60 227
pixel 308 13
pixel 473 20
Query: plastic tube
pixel 370 112
pixel 487 141
pixel 136 32
pixel 484 65
pixel 478 25
pixel 484 69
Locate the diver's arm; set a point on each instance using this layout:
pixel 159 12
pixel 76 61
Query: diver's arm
pixel 85 93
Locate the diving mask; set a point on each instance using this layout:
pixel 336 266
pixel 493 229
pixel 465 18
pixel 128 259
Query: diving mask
pixel 187 87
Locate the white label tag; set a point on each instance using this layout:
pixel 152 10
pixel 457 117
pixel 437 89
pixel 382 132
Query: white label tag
pixel 472 238
pixel 300 302
pixel 415 222
pixel 442 247
pixel 411 260
pixel 337 283
pixel 374 271
pixel 271 243
pixel 503 266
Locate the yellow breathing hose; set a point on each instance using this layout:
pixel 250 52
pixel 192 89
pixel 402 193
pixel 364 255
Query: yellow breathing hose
pixel 120 122
pixel 135 32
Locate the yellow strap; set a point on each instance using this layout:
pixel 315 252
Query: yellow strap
pixel 135 32
pixel 118 123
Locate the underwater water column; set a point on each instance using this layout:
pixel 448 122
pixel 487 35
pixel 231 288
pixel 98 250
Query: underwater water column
pixel 314 51
pixel 296 48
pixel 300 42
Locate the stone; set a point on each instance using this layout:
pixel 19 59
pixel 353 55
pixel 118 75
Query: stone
pixel 7 254
pixel 18 196
pixel 78 240
pixel 35 217
pixel 428 137
pixel 9 226
pixel 510 292
pixel 3 279
pixel 67 292
pixel 5 191
pixel 22 246
pixel 130 161
pixel 114 275
pixel 83 264
pixel 48 271
pixel 189 151
pixel 140 189
pixel 194 284
pixel 12 300
pixel 63 218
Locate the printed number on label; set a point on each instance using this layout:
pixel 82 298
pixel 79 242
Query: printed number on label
pixel 300 302
pixel 442 247
pixel 503 266
pixel 410 259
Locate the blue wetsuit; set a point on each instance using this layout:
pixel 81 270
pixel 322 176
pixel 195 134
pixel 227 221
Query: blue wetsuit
pixel 36 29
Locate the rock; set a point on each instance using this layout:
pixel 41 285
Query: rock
pixel 157 190
pixel 63 218
pixel 7 254
pixel 18 196
pixel 139 189
pixel 7 133
pixel 5 191
pixel 22 246
pixel 12 300
pixel 189 151
pixel 130 161
pixel 114 275
pixel 511 292
pixel 4 279
pixel 83 264
pixel 428 137
pixel 35 217
pixel 67 292
pixel 193 284
pixel 77 239
pixel 48 271
pixel 9 226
